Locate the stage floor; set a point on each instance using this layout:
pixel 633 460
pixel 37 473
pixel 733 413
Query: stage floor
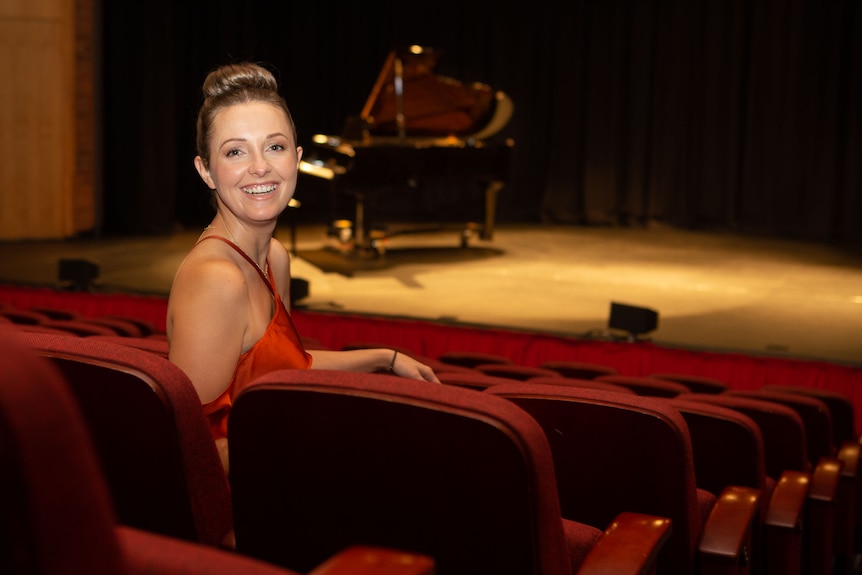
pixel 713 291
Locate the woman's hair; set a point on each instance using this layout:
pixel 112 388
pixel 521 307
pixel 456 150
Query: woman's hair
pixel 233 84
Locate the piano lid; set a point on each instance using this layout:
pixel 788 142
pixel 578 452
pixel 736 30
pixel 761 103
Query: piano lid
pixel 409 100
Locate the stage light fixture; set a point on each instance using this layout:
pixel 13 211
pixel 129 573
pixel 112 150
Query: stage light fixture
pixel 634 320
pixel 77 274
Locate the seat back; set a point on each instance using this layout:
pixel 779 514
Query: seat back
pixel 578 382
pixel 323 459
pixel 151 436
pixel 695 383
pixel 617 452
pixel 514 371
pixel 815 415
pixel 646 385
pixel 579 369
pixel 57 517
pixel 728 446
pixel 840 406
pixel 781 427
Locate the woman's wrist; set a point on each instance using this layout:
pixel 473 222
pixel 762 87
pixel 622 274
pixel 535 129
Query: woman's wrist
pixel 391 366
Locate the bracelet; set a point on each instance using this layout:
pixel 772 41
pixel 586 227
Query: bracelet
pixel 392 363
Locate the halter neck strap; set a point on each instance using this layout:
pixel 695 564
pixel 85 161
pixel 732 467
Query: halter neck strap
pixel 240 251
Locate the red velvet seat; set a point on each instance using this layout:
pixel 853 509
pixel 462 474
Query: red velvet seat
pixel 23 316
pixel 472 358
pixel 586 383
pixel 151 344
pixel 78 327
pixel 840 407
pixel 648 386
pixel 615 451
pixel 821 444
pixel 515 371
pixel 729 450
pixel 151 436
pixel 786 448
pixel 695 383
pixel 324 459
pixel 579 369
pixel 471 378
pixel 57 514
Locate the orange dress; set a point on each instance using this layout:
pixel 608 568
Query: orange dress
pixel 279 348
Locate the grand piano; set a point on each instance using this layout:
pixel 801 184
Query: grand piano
pixel 417 128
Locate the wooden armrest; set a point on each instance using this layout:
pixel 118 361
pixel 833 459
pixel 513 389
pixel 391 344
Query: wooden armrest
pixel 825 478
pixel 730 526
pixel 820 526
pixel 787 506
pixel 629 545
pixel 362 560
pixel 849 456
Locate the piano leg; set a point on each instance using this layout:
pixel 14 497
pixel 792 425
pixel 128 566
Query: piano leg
pixel 491 192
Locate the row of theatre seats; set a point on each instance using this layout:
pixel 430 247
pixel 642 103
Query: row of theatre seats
pixel 567 468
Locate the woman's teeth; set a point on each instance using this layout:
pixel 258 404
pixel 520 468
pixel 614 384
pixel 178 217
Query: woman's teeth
pixel 258 190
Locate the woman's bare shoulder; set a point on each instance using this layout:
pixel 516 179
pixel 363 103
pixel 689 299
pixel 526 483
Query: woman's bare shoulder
pixel 207 273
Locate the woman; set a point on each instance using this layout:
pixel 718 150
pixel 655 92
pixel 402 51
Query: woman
pixel 227 322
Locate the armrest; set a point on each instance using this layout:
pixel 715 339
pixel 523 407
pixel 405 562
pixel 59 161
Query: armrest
pixel 787 506
pixel 822 503
pixel 629 545
pixel 784 524
pixel 147 553
pixel 360 560
pixel 825 479
pixel 730 526
pixel 849 456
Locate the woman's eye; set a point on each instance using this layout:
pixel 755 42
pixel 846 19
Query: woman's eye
pixel 277 147
pixel 232 153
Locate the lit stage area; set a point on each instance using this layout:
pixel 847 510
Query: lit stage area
pixel 711 291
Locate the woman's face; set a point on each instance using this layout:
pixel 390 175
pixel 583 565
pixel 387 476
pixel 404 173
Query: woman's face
pixel 254 161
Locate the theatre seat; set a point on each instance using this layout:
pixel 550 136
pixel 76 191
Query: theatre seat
pixel 324 459
pixel 695 383
pixel 584 383
pixel 729 450
pixel 515 371
pixel 648 386
pixel 467 377
pixel 615 451
pixel 58 517
pixel 822 445
pixel 579 369
pixel 472 358
pixel 786 449
pixel 151 436
pixel 151 344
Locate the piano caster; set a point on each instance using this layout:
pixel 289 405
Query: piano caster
pixel 469 232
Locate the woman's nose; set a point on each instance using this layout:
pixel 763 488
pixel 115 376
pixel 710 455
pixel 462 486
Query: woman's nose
pixel 259 164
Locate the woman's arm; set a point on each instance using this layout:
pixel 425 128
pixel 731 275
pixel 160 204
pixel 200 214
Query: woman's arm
pixel 369 360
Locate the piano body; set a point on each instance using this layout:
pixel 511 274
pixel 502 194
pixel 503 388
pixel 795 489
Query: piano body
pixel 416 127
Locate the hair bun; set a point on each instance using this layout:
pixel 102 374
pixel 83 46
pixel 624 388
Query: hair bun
pixel 238 77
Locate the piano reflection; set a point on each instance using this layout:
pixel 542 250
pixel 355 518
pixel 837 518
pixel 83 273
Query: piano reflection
pixel 417 128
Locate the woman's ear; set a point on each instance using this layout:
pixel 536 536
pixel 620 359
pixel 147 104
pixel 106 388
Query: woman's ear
pixel 204 172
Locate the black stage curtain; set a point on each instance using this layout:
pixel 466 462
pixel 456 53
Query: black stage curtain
pixel 718 114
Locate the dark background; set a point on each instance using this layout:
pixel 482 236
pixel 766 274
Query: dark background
pixel 714 114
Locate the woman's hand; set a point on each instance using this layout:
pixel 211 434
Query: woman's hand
pixel 406 366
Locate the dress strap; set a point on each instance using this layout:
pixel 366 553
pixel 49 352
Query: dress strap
pixel 239 250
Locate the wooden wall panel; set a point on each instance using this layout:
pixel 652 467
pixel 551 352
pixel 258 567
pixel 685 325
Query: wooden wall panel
pixel 38 122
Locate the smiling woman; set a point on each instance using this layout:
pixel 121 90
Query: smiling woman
pixel 227 319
